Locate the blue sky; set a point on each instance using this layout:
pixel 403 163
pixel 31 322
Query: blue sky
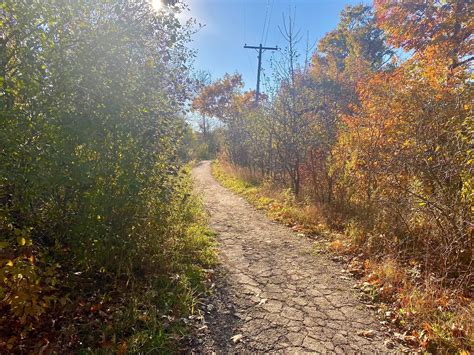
pixel 229 24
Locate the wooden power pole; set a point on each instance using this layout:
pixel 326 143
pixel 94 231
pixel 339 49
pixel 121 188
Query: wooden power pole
pixel 260 49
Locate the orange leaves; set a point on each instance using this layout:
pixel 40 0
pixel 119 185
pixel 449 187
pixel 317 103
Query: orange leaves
pixel 336 245
pixel 418 26
pixel 216 99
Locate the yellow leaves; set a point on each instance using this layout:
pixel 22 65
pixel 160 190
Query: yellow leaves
pixel 22 237
pixel 26 289
pixel 337 245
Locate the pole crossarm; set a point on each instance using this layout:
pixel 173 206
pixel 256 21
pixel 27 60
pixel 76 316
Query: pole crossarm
pixel 263 48
pixel 260 49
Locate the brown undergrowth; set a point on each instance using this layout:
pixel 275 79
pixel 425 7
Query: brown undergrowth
pixel 419 309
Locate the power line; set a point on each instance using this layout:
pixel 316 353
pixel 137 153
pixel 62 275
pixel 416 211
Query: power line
pixel 260 49
pixel 269 19
pixel 244 22
pixel 265 21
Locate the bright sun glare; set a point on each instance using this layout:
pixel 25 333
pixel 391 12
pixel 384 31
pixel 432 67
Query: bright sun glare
pixel 157 4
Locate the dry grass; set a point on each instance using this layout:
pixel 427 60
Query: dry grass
pixel 439 319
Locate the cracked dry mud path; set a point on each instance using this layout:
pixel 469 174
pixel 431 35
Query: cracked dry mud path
pixel 272 290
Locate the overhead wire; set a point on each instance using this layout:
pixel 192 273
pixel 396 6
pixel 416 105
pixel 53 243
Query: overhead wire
pixel 265 21
pixel 269 20
pixel 250 62
pixel 244 22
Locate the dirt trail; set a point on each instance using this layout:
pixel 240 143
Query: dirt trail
pixel 273 291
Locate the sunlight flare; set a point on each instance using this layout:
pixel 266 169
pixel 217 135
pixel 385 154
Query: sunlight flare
pixel 157 4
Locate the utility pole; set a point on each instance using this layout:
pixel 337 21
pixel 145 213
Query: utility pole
pixel 260 49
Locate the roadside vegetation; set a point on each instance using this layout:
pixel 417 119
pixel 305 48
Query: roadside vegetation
pixel 369 142
pixel 436 318
pixel 102 242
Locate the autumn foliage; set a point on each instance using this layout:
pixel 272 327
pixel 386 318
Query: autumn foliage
pixel 377 132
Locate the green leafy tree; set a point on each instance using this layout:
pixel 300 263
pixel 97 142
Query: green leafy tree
pixel 92 97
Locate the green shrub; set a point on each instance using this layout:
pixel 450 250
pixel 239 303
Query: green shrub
pixel 96 209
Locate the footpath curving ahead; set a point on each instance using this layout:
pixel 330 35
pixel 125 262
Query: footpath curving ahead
pixel 272 294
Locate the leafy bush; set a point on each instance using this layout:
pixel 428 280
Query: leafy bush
pixel 96 210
